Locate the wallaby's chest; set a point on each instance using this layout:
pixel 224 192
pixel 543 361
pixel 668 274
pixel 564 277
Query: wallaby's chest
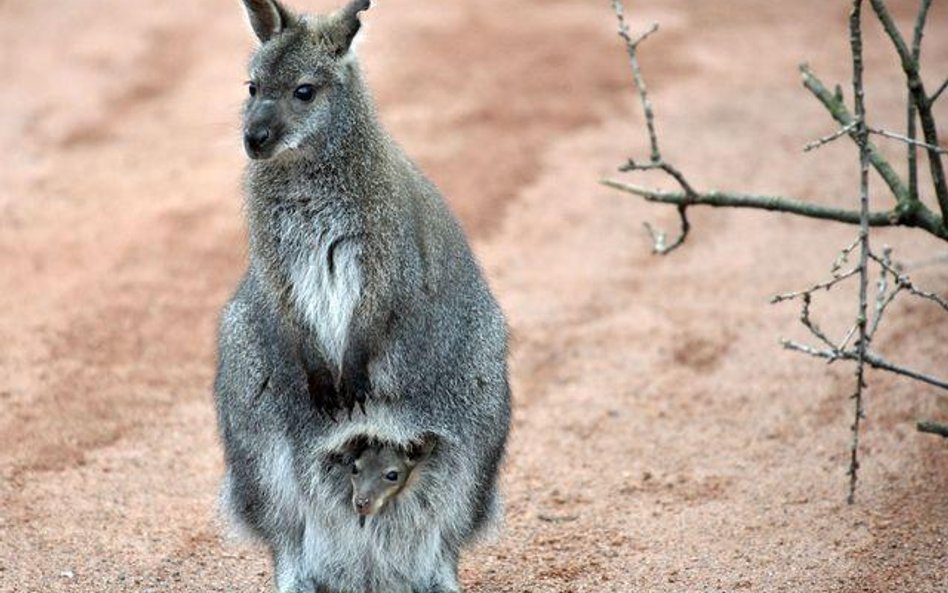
pixel 320 249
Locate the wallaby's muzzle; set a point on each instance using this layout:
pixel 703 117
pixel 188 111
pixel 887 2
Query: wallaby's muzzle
pixel 261 130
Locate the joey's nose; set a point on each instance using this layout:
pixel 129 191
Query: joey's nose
pixel 362 505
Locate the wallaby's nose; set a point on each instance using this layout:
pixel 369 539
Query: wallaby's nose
pixel 256 138
pixel 362 505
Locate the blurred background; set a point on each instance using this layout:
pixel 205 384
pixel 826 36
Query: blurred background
pixel 663 441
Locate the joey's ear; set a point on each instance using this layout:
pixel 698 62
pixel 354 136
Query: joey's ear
pixel 356 447
pixel 268 17
pixel 346 24
pixel 421 449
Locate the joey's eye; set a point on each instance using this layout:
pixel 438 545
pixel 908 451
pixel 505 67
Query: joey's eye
pixel 355 470
pixel 252 89
pixel 305 92
pixel 392 476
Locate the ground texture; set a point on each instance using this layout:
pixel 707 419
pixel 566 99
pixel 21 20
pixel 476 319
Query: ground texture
pixel 662 440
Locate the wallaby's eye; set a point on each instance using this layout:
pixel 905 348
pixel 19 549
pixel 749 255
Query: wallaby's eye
pixel 252 89
pixel 305 93
pixel 355 470
pixel 392 476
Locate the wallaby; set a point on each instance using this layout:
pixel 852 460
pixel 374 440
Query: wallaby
pixel 361 290
pixel 381 471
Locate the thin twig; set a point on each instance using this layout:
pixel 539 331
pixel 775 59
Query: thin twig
pixel 937 93
pixel 827 139
pixel 659 239
pixel 883 297
pixel 843 257
pixel 849 335
pixel 906 282
pixel 872 359
pixel 631 46
pixel 908 140
pixel 836 279
pixel 877 362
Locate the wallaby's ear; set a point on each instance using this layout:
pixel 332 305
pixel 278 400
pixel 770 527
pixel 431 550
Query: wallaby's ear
pixel 347 24
pixel 268 17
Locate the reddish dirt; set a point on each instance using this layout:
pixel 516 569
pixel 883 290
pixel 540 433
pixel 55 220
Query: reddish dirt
pixel 662 439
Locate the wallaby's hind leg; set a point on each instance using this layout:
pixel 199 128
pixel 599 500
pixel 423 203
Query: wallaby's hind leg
pixel 445 580
pixel 287 573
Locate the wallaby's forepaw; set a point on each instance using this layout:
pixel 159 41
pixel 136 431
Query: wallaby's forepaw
pixel 354 391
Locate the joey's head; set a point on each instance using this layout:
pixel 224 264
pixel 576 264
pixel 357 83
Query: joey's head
pixel 381 471
pixel 301 77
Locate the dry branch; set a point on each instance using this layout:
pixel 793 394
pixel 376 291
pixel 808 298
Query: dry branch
pixel 908 140
pixel 923 105
pixel 862 139
pixel 908 210
pixel 911 111
pixel 874 360
pixel 933 428
pixel 938 92
pixel 754 201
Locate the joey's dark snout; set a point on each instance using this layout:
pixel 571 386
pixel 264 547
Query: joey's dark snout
pixel 362 505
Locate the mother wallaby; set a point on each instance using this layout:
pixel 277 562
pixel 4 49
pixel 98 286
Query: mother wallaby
pixel 362 313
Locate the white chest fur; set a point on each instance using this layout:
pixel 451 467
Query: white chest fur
pixel 327 282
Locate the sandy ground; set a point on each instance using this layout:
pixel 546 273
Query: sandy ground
pixel 662 440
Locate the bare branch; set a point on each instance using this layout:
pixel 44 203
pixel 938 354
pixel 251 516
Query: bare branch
pixel 631 46
pixel 659 239
pixel 922 103
pixel 908 140
pixel 905 282
pixel 873 360
pixel 843 257
pixel 849 335
pixel 932 428
pixel 910 211
pixel 938 92
pixel 720 199
pixel 861 135
pixel 827 139
pixel 631 165
pixel 912 113
pixel 919 30
pixel 877 362
pixel 883 297
pixel 836 279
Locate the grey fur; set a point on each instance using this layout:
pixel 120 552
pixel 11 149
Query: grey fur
pixel 360 287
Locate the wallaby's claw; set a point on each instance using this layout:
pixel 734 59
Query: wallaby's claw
pixel 353 392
